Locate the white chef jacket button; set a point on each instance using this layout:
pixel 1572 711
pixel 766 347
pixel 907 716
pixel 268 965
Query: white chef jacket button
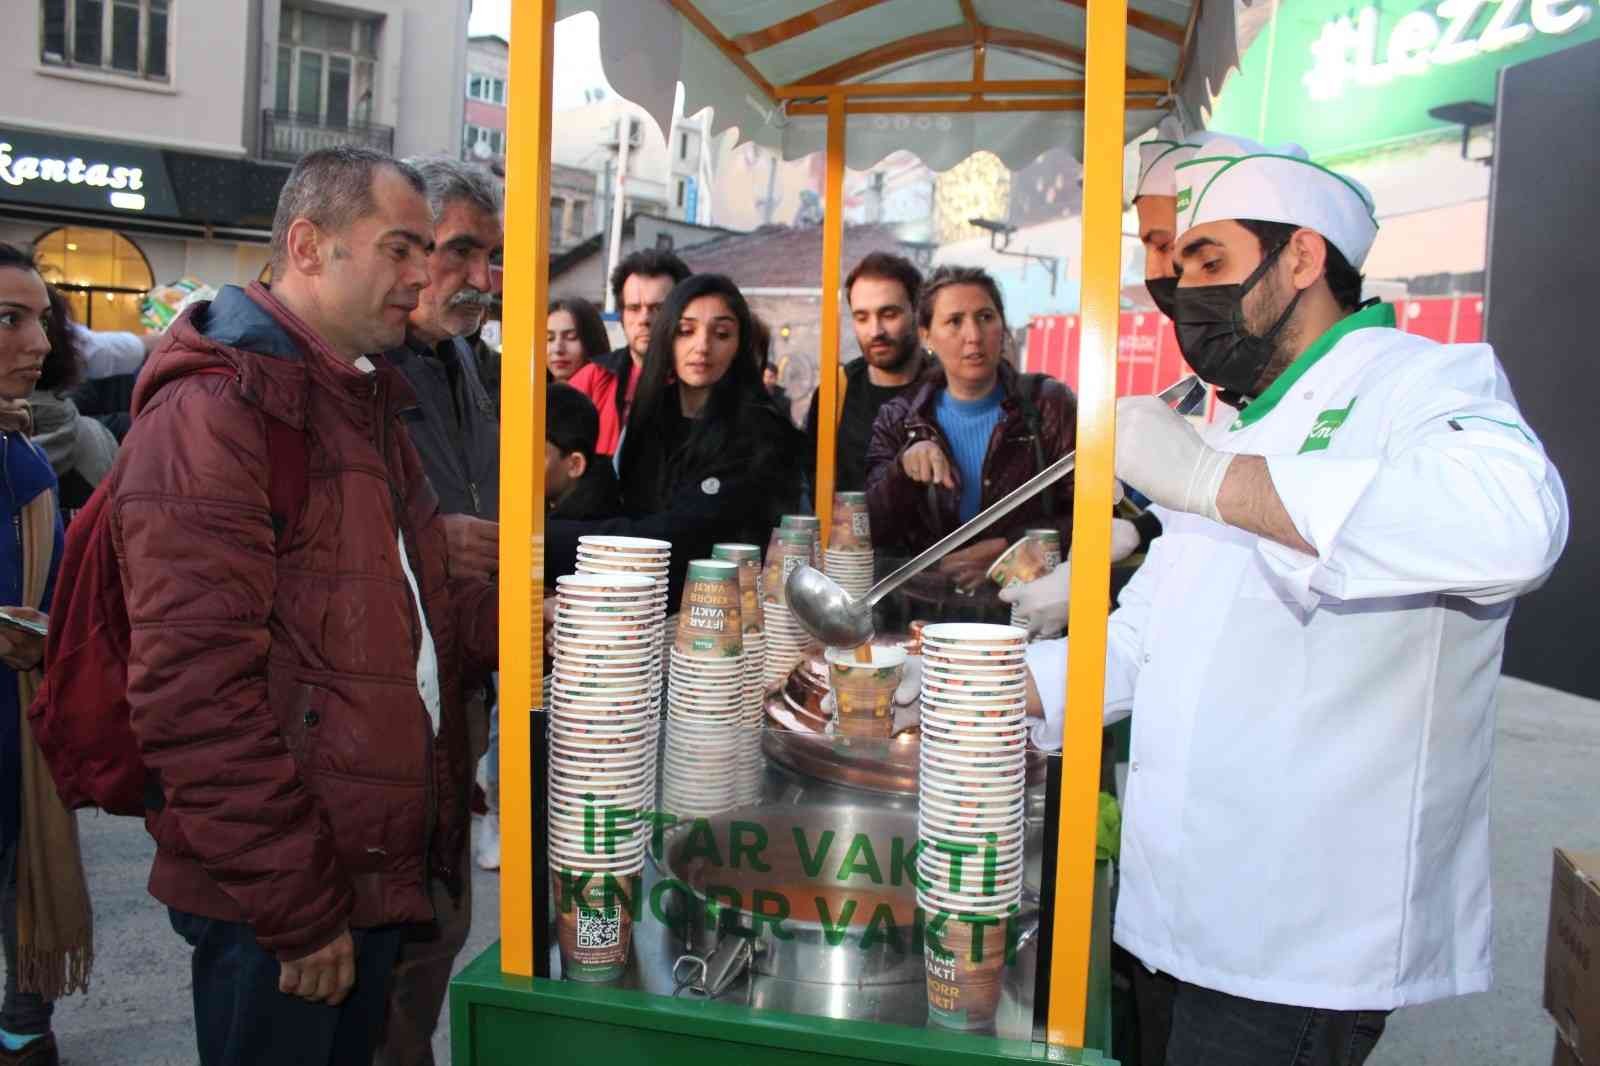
pixel 1310 395
pixel 1147 657
pixel 1133 767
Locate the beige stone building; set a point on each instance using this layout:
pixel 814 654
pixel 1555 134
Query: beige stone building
pixel 145 140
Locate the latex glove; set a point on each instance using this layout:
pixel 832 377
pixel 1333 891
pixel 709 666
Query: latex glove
pixel 1160 454
pixel 909 691
pixel 1042 602
pixel 1124 539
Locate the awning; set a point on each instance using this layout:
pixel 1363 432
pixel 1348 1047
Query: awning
pixel 755 63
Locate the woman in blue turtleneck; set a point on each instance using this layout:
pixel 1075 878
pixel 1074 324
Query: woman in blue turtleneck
pixel 971 432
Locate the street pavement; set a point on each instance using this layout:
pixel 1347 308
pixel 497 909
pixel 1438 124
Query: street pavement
pixel 1547 778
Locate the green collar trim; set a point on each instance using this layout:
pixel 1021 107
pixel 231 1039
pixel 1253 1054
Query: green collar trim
pixel 1378 316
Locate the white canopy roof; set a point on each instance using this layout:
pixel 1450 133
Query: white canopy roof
pixel 736 56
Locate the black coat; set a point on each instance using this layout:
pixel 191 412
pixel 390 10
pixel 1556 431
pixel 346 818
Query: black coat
pixel 455 429
pixel 737 496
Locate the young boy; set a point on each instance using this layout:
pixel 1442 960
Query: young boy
pixel 577 484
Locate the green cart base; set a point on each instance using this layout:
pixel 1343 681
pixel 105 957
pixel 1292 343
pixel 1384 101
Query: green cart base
pixel 499 1020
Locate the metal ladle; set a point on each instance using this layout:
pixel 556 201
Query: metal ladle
pixel 830 614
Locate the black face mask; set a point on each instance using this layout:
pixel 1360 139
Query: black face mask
pixel 1214 338
pixel 1164 291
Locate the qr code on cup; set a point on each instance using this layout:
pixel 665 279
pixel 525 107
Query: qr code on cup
pixel 599 928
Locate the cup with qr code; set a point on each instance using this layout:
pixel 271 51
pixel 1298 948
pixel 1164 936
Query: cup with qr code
pixel 594 922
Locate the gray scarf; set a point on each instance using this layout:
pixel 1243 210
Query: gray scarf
pixel 70 441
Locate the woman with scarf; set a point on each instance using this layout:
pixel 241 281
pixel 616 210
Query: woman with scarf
pixel 44 900
pixel 80 449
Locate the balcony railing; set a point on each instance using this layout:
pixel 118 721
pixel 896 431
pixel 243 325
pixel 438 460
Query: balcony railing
pixel 286 136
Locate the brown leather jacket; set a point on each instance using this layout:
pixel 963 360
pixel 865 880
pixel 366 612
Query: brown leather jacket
pixel 907 516
pixel 272 679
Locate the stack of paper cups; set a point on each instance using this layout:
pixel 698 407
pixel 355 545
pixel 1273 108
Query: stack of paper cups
pixel 602 757
pixel 970 809
pixel 848 559
pixel 752 763
pixel 787 641
pixel 705 694
pixel 645 557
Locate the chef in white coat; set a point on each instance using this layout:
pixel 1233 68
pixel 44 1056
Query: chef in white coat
pixel 1311 650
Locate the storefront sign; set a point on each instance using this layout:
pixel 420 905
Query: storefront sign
pixel 1339 79
pixel 97 175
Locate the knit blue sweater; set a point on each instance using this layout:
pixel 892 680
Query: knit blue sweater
pixel 968 425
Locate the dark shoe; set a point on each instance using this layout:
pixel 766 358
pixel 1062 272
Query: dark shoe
pixel 40 1052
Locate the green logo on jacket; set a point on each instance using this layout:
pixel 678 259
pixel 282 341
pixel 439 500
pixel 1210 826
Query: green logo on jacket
pixel 1322 431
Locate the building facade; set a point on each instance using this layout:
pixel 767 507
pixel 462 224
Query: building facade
pixel 145 140
pixel 483 134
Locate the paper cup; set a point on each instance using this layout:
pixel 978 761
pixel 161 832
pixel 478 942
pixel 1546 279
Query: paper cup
pixel 974 634
pixel 1020 563
pixel 748 559
pixel 963 991
pixel 603 584
pixel 851 527
pixel 626 544
pixel 1050 543
pixel 863 693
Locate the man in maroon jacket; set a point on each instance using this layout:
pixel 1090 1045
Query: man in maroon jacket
pixel 296 680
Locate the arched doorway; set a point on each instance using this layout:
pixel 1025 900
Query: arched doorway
pixel 103 275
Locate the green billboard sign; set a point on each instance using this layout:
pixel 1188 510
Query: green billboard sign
pixel 1341 77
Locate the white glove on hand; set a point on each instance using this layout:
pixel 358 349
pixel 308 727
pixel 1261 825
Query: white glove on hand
pixel 1042 602
pixel 1160 454
pixel 1124 539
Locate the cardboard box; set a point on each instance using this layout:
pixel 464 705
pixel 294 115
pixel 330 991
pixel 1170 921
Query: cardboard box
pixel 1572 953
pixel 1563 1055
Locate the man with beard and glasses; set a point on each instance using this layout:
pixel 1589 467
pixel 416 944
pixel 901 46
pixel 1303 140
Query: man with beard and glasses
pixel 882 291
pixel 458 438
pixel 1311 651
pixel 639 285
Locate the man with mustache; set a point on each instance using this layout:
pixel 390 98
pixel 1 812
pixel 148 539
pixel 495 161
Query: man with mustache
pixel 458 437
pixel 882 291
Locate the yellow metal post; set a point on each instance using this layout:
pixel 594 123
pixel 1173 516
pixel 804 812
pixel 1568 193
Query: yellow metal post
pixel 828 398
pixel 1106 45
pixel 527 284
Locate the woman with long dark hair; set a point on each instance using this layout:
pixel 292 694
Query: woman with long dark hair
pixel 705 457
pixel 575 336
pixel 80 449
pixel 45 921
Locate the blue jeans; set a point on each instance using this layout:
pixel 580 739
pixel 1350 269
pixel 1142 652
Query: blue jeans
pixel 241 1019
pixel 1181 1024
pixel 24 1013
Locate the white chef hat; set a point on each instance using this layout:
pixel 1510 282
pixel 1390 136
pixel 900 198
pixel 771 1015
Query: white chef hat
pixel 1160 159
pixel 1233 178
